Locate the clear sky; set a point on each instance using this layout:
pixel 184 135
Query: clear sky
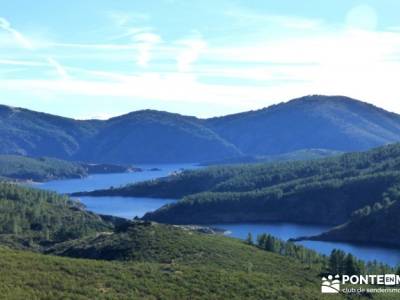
pixel 100 58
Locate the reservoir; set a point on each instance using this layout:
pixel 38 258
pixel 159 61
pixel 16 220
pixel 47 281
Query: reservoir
pixel 129 207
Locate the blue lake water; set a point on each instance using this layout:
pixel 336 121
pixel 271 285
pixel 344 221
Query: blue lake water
pixel 286 231
pixel 124 207
pixel 103 181
pixel 129 207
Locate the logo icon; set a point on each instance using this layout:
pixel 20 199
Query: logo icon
pixel 330 285
pixel 390 279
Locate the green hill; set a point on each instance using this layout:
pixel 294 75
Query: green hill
pixel 35 219
pixel 303 154
pixel 154 242
pixel 379 224
pixel 23 168
pixel 256 275
pixel 39 169
pixel 157 137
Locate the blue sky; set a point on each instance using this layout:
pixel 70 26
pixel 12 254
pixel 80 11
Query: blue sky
pixel 98 58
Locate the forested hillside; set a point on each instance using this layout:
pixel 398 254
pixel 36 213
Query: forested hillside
pixel 36 219
pixel 144 136
pixel 304 154
pixel 24 168
pixel 157 137
pixel 323 191
pixel 327 122
pixel 378 223
pixel 31 133
pixel 39 169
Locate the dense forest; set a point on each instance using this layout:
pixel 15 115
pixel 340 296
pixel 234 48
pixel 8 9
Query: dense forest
pixel 23 168
pixel 325 191
pixel 378 223
pixel 338 262
pixel 35 219
pixel 39 169
pixel 304 154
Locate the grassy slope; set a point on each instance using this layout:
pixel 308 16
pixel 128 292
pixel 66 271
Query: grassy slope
pixel 49 277
pixel 207 267
pixel 164 243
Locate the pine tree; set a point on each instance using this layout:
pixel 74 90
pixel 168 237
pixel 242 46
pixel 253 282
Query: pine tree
pixel 261 240
pixel 337 262
pixel 351 266
pixel 270 244
pixel 398 270
pixel 249 239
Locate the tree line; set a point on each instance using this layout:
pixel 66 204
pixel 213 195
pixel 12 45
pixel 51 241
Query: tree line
pixel 338 262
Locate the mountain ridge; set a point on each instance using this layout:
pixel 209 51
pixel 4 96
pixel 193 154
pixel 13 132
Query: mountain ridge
pixel 327 122
pixel 311 97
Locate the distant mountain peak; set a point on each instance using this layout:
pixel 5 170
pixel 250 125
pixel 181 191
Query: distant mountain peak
pixel 333 99
pixel 151 113
pixel 322 100
pixel 314 121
